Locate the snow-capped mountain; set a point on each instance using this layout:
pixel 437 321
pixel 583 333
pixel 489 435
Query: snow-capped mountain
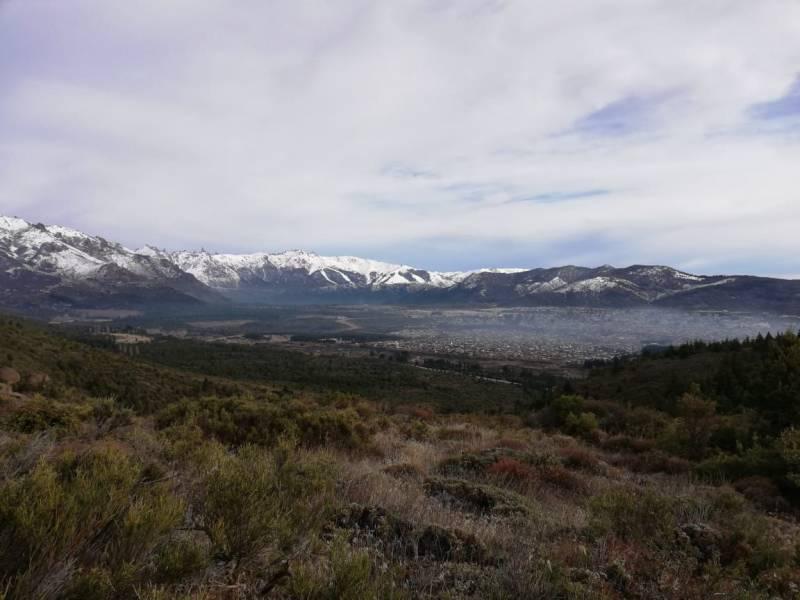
pixel 236 270
pixel 45 265
pixel 42 264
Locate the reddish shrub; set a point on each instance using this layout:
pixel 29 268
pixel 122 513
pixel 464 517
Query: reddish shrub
pixel 416 411
pixel 421 412
pixel 510 468
pixel 579 458
pixel 762 492
pixel 561 478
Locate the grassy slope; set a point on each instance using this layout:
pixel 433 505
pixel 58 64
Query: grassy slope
pixel 316 494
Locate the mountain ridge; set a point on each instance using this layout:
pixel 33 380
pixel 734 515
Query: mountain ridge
pixel 55 265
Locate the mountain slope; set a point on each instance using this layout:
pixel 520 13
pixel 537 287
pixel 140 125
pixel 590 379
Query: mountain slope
pixel 57 266
pixel 47 265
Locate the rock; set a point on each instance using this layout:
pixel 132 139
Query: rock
pixel 9 375
pixel 619 577
pixel 474 497
pixel 399 537
pixel 376 525
pixel 435 543
pixel 587 576
pixel 36 381
pixel 703 538
pixel 442 544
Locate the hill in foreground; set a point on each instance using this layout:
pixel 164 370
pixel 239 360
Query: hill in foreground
pixel 121 478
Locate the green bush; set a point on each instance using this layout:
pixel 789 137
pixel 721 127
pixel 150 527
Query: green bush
pixel 246 420
pixel 637 515
pixel 564 406
pixel 583 424
pixel 178 559
pixel 789 449
pixel 258 504
pixel 39 414
pixel 97 509
pixel 756 461
pixel 349 574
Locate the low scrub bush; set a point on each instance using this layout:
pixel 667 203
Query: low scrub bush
pixel 245 420
pixel 756 461
pixel 98 508
pixel 762 492
pixel 404 471
pixel 178 559
pixel 558 477
pixel 348 574
pixel 457 434
pixel 39 414
pixel 509 468
pixel 633 515
pixel 258 505
pixel 653 462
pixel 620 443
pixel 580 458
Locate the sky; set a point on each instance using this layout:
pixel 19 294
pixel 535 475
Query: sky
pixel 446 134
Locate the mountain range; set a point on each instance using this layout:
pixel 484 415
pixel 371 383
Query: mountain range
pixel 54 267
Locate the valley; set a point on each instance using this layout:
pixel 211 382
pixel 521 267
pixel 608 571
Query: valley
pixel 554 339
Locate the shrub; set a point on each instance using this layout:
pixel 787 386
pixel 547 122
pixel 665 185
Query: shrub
pixel 476 463
pixel 178 559
pixel 726 502
pixel 404 471
pixel 512 444
pixel 245 420
pixel 423 413
pixel 583 424
pixel 691 433
pixel 259 504
pixel 457 434
pixel 559 477
pixel 756 461
pixel 619 443
pixel 98 507
pixel 111 415
pixel 645 422
pixel 654 462
pixel 39 414
pixel 789 449
pixel 508 468
pixel 762 492
pixel 417 430
pixel 348 574
pixel 579 458
pixel 749 542
pixel 642 515
pixel 564 406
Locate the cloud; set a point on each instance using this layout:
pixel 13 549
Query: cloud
pixel 453 134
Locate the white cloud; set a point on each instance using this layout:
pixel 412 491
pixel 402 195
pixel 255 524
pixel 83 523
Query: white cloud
pixel 366 127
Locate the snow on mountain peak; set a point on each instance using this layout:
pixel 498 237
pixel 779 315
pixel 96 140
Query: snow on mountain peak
pixel 71 254
pixel 13 224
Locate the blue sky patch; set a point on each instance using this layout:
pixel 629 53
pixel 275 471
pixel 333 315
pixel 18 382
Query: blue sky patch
pixel 556 197
pixel 787 106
